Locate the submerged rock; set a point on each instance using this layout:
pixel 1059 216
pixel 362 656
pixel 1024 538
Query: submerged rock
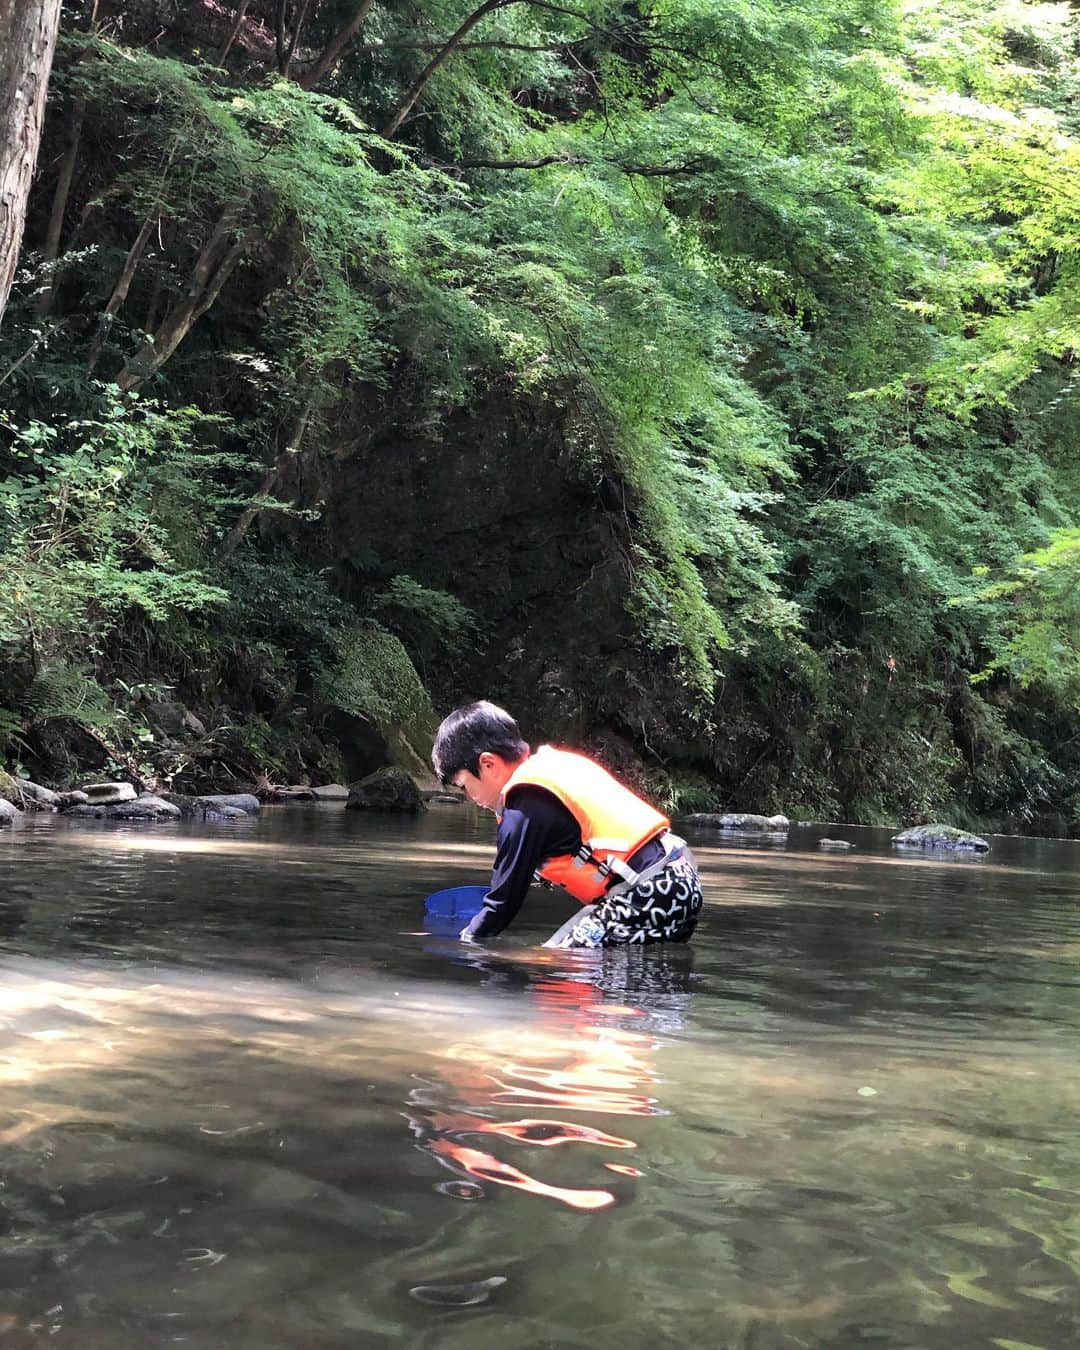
pixel 388 789
pixel 8 812
pixel 942 837
pixel 736 820
pixel 107 794
pixel 835 845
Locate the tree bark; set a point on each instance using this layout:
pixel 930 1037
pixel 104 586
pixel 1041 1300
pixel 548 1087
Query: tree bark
pixel 120 290
pixel 452 44
pixel 60 200
pixel 26 53
pixel 298 23
pixel 226 46
pixel 334 48
pixel 227 244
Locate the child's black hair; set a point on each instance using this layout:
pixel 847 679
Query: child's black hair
pixel 468 732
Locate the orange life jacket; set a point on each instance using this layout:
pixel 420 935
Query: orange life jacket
pixel 614 821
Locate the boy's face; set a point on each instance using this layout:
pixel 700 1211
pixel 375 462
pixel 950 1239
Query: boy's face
pixel 485 786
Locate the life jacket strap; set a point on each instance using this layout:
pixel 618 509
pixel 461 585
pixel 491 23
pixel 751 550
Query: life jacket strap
pixel 674 848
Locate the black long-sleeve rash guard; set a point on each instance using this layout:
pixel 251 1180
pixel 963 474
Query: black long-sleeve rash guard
pixel 535 826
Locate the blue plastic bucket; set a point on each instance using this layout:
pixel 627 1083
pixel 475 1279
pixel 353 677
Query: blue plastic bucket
pixel 459 902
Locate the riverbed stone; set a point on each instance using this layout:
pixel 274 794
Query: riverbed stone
pixel 147 806
pixel 835 845
pixel 736 820
pixel 242 801
pixel 73 798
pixel 221 807
pixel 8 812
pixel 108 794
pixel 36 797
pixel 944 838
pixel 389 789
pixel 331 792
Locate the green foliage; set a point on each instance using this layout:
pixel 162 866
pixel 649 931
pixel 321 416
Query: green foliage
pixel 791 294
pixel 373 678
pixel 1040 641
pixel 83 535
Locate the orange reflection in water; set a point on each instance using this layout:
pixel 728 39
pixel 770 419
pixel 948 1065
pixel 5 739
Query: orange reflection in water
pixel 543 1133
pixel 624 1169
pixel 575 1061
pixel 486 1168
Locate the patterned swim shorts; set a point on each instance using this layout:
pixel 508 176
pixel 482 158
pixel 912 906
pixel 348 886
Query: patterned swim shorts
pixel 663 909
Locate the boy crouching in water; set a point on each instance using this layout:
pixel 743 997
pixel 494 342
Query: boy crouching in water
pixel 564 818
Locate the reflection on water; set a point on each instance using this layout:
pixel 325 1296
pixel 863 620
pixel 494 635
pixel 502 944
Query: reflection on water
pixel 579 1061
pixel 245 1106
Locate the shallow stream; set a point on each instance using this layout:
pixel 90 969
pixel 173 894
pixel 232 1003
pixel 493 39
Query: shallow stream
pixel 247 1104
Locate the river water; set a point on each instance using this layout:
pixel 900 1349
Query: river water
pixel 246 1103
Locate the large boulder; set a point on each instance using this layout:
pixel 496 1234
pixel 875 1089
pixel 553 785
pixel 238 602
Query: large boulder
pixel 108 794
pixel 8 812
pixel 389 789
pixel 737 820
pixel 944 838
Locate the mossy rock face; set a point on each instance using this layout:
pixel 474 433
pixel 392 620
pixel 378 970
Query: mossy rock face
pixel 388 789
pixel 944 838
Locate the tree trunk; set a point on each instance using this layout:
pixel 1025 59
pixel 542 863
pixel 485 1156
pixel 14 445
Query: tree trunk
pixel 226 46
pixel 60 200
pixel 218 260
pixel 120 290
pixel 26 52
pixel 334 48
pixel 452 44
pixel 298 23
